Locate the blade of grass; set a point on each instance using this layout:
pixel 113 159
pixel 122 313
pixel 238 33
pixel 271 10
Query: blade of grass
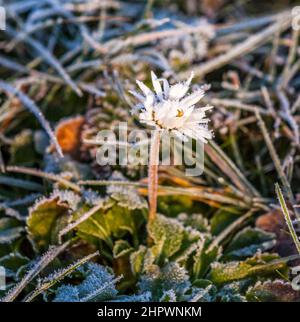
pixel 275 159
pixel 47 258
pixel 33 108
pixel 57 277
pixel 287 217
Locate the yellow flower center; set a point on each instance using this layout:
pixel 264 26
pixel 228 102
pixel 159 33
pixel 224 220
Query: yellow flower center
pixel 179 113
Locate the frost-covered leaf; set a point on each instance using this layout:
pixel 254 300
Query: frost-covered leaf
pixel 196 221
pixel 121 248
pixel 112 222
pixel 272 291
pixel 67 293
pixel 232 292
pixel 259 265
pixel 204 256
pixel 247 242
pixel 171 283
pixel 126 196
pixel 48 282
pixel 137 259
pixel 98 285
pixel 167 234
pixel 48 217
pixel 168 296
pixel 171 278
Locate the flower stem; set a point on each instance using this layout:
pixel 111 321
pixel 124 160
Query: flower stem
pixel 153 174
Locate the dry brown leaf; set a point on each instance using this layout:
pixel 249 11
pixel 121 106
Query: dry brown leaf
pixel 68 134
pixel 274 222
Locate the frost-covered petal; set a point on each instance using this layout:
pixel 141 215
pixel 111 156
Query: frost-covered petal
pixel 199 133
pixel 169 108
pixel 137 95
pixel 189 80
pixel 156 85
pixel 193 98
pixel 145 89
pixel 198 114
pixel 179 90
pixel 166 88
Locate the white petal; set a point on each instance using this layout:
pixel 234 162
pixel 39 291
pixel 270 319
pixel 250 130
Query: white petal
pixel 206 108
pixel 180 135
pixel 166 88
pixel 177 91
pixel 193 98
pixel 156 85
pixel 188 82
pixel 137 95
pixel 145 89
pixel 149 102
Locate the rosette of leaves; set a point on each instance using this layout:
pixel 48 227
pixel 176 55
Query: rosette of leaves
pixel 113 218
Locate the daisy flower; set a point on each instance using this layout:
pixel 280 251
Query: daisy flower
pixel 172 108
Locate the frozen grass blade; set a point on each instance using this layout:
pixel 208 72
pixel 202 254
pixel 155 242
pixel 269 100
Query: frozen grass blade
pixel 229 168
pixel 50 59
pixel 47 258
pixel 287 217
pixel 275 157
pixel 53 279
pixel 19 183
pixel 44 175
pixel 32 107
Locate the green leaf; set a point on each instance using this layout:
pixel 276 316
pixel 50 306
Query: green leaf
pixel 203 257
pixel 247 242
pixel 114 222
pixel 137 259
pixel 167 234
pixel 121 248
pixel 9 230
pixel 259 265
pixel 222 219
pixel 45 220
